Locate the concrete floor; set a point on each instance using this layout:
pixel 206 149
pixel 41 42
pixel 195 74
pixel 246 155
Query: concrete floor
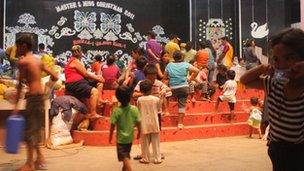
pixel 215 154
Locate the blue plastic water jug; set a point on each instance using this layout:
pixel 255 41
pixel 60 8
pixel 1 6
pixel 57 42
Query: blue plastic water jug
pixel 14 133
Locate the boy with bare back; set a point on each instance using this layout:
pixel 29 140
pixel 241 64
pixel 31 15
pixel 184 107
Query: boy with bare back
pixel 30 72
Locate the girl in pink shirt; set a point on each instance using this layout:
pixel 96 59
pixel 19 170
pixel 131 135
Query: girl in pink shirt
pixel 110 73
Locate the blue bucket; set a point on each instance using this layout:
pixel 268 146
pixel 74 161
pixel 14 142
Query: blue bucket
pixel 14 133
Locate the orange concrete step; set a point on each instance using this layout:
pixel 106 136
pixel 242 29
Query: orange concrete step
pixel 241 94
pixel 207 107
pixel 197 107
pixel 100 138
pixel 190 119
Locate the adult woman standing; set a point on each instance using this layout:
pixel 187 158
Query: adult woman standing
pixel 77 84
pixel 211 60
pixel 176 73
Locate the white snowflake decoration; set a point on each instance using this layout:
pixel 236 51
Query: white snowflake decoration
pixel 110 23
pixel 118 52
pixel 92 53
pixel 63 57
pixel 130 27
pixel 159 30
pixel 61 21
pixel 9 39
pixel 26 29
pixel 47 40
pixel 84 20
pixel 26 19
pixel 128 36
pixel 110 36
pixel 98 34
pixel 65 32
pixel 215 22
pixel 123 57
pixel 85 34
pixel 53 30
pixel 138 36
pixel 142 45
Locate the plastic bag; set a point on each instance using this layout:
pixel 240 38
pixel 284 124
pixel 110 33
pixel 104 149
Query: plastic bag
pixel 60 133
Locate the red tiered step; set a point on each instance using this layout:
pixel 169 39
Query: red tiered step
pixel 190 119
pixel 200 120
pixel 100 138
pixel 207 107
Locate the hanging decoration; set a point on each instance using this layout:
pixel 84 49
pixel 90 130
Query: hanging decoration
pixel 28 23
pixel 258 32
pixel 215 28
pixel 89 33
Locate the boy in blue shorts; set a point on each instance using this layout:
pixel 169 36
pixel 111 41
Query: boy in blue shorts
pixel 125 116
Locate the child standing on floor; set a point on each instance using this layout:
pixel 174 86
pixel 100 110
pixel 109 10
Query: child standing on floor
pixel 30 71
pixel 255 117
pixel 125 117
pixel 149 107
pixel 229 92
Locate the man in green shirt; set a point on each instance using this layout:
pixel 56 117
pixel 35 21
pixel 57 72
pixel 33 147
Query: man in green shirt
pixel 125 117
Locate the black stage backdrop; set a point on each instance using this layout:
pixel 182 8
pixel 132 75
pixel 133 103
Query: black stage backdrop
pixel 103 27
pixel 213 19
pixel 277 14
pixel 100 27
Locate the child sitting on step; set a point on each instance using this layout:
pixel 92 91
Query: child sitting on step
pixel 125 117
pixel 138 73
pixel 255 117
pixel 228 93
pixel 127 75
pixel 110 73
pixel 149 107
pixel 201 84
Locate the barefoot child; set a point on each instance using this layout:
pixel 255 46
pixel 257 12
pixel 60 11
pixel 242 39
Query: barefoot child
pixel 229 91
pixel 255 117
pixel 125 118
pixel 149 107
pixel 30 70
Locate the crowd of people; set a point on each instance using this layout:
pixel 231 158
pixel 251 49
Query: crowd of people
pixel 159 73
